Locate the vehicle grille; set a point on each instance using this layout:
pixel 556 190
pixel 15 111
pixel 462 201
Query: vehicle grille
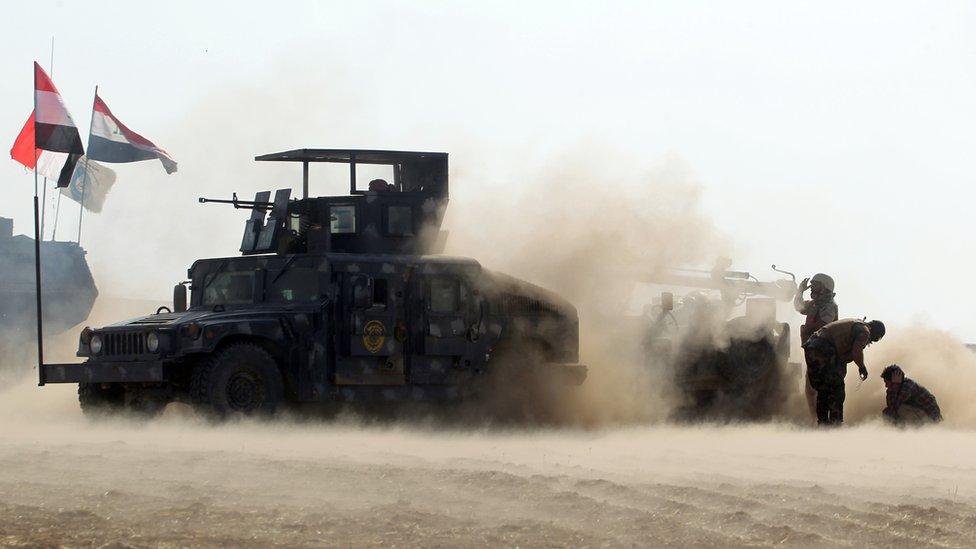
pixel 124 344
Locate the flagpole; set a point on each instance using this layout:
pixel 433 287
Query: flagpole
pixel 84 184
pixel 37 256
pixel 57 215
pixel 44 193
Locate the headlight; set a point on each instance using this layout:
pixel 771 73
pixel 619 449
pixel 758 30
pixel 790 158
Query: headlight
pixel 96 344
pixel 152 342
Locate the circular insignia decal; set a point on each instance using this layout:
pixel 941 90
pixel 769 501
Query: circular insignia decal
pixel 374 335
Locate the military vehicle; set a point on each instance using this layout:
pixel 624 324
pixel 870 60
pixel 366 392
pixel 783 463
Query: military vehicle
pixel 334 298
pixel 725 368
pixel 69 289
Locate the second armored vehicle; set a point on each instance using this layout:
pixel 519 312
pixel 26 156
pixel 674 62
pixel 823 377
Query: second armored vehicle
pixel 68 286
pixel 333 298
pixel 724 368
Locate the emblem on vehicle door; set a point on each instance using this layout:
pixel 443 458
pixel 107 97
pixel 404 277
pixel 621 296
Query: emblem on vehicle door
pixel 374 335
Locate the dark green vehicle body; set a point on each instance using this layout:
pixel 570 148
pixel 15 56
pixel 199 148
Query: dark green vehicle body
pixel 335 317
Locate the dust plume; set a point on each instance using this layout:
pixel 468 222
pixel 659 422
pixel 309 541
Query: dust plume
pixel 587 224
pixel 933 358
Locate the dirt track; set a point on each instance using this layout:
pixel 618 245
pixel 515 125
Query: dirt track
pixel 177 482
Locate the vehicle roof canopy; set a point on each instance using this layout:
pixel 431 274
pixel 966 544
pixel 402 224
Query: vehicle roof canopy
pixel 414 171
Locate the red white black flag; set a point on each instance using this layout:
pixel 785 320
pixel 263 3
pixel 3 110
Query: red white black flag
pixel 111 141
pixel 54 130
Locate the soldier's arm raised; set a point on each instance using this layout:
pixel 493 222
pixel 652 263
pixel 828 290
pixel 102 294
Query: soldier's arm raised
pixel 798 303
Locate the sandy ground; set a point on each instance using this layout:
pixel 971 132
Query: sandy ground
pixel 177 481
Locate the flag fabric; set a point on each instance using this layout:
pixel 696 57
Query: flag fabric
pixel 109 140
pixel 47 163
pixel 90 189
pixel 54 130
pixel 23 150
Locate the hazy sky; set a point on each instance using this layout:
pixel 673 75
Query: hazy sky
pixel 825 136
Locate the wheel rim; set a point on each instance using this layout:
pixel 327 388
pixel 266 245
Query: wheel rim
pixel 245 391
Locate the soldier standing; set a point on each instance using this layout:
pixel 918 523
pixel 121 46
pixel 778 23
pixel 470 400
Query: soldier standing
pixel 827 352
pixel 906 401
pixel 820 310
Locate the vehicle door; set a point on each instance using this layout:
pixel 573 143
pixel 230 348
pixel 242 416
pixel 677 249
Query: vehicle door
pixel 298 290
pixel 369 352
pixel 442 350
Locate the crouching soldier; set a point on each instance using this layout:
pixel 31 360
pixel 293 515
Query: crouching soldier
pixel 908 403
pixel 827 352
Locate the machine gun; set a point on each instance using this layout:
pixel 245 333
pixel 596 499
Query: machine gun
pixel 260 235
pixel 238 204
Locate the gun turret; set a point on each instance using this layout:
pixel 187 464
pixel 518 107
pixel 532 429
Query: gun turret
pixel 399 216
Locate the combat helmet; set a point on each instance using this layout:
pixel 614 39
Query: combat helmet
pixel 825 280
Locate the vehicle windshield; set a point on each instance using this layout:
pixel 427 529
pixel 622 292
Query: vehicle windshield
pixel 294 285
pixel 228 288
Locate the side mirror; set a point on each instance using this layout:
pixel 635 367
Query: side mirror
pixel 179 298
pixel 667 301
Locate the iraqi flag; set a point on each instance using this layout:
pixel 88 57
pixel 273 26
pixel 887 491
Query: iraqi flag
pixel 49 138
pixel 46 163
pixel 111 141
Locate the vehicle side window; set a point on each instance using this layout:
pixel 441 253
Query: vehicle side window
pixel 343 219
pixel 370 293
pixel 229 288
pixel 296 285
pixel 380 293
pixel 445 294
pixel 399 220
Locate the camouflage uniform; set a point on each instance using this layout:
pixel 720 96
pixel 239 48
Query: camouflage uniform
pixel 909 393
pixel 827 353
pixel 819 313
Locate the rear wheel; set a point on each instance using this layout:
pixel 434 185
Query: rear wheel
pixel 241 379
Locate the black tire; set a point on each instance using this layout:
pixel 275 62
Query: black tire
pixel 241 379
pixel 145 403
pixel 96 400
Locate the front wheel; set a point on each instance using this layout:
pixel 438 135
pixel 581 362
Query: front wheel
pixel 242 379
pixel 98 399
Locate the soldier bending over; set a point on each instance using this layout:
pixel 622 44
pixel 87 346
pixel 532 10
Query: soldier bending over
pixel 827 352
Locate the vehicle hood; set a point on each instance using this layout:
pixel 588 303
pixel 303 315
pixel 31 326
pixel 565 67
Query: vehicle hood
pixel 164 320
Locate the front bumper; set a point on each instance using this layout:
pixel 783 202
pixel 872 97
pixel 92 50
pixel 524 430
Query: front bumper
pixel 103 372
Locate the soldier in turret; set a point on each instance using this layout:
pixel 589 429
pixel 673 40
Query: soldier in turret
pixel 827 352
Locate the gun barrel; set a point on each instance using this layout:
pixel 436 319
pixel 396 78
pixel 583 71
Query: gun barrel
pixel 245 204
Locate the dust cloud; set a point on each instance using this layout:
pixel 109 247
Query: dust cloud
pixel 585 223
pixel 589 223
pixel 933 358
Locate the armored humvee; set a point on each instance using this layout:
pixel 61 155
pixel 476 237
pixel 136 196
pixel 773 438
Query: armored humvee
pixel 724 366
pixel 334 298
